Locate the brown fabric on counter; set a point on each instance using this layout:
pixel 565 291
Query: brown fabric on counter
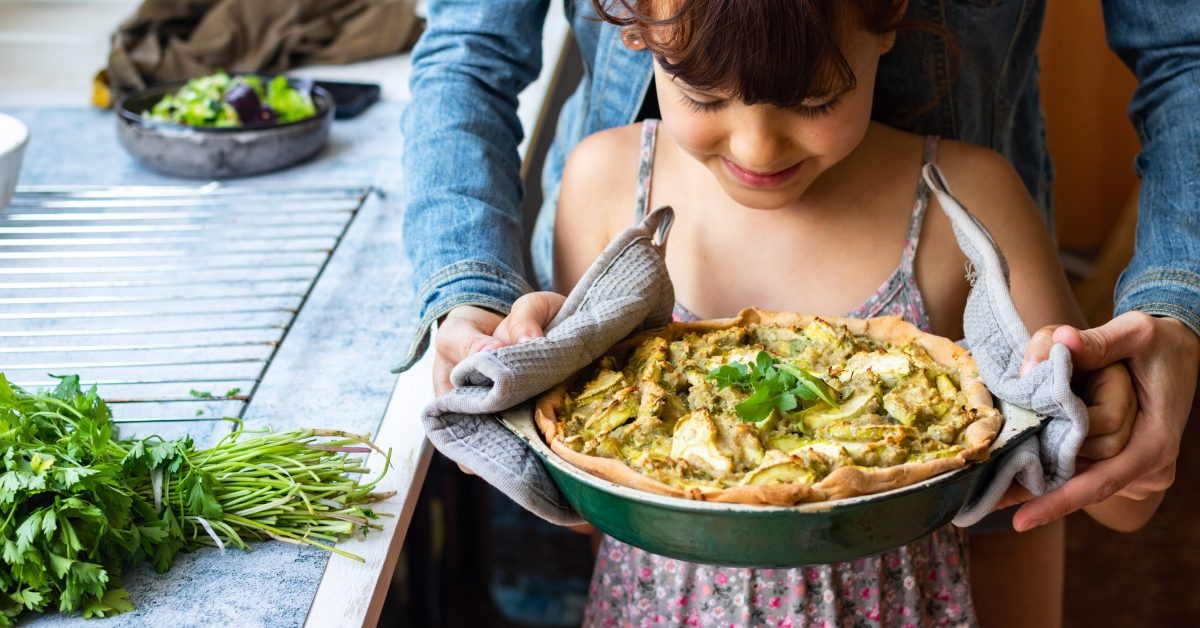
pixel 173 40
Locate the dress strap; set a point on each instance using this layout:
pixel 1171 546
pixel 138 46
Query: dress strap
pixel 645 168
pixel 922 202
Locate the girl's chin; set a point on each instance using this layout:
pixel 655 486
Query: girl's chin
pixel 760 200
pixel 766 199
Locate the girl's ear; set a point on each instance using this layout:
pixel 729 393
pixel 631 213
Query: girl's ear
pixel 632 39
pixel 889 40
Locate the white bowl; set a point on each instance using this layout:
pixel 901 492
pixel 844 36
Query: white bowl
pixel 13 137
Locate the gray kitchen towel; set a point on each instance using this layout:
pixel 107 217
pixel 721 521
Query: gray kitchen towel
pixel 998 338
pixel 626 290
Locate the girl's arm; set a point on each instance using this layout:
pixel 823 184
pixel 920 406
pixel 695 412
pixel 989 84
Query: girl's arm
pixel 595 201
pixel 987 184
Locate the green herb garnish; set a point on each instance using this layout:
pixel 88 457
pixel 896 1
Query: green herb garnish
pixel 772 386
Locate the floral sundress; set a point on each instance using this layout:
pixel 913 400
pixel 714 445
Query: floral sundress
pixel 923 583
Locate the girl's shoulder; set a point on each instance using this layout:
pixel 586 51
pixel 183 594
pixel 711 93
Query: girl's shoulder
pixel 968 163
pixel 980 177
pixel 987 183
pixel 608 156
pixel 600 179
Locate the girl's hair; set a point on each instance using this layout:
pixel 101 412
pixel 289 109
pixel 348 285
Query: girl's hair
pixel 777 52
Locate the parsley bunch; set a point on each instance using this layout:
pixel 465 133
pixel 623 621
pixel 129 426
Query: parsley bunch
pixel 77 503
pixel 772 385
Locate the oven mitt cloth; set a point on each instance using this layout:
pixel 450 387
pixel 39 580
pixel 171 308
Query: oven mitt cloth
pixel 626 290
pixel 998 338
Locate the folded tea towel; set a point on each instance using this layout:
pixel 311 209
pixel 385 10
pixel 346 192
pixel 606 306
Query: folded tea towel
pixel 997 338
pixel 625 290
pixel 172 40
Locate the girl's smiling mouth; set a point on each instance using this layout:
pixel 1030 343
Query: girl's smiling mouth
pixel 760 179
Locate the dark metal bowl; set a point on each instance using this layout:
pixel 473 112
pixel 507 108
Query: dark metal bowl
pixel 217 153
pixel 772 536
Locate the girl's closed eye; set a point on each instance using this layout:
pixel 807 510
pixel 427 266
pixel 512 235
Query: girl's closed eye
pixel 809 111
pixel 818 110
pixel 701 106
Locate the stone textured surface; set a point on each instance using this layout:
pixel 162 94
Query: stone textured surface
pixel 331 370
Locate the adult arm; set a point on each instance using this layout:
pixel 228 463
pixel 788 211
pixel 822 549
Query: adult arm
pixel 462 222
pixel 1158 296
pixel 1160 42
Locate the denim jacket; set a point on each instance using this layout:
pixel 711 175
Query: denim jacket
pixel 463 227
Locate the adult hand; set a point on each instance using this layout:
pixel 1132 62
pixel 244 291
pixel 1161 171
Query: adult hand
pixel 1112 411
pixel 1163 357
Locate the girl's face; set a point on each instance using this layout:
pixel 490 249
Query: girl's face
pixel 765 157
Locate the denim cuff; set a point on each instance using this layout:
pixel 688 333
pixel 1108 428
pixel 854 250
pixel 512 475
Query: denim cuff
pixel 1163 292
pixel 462 283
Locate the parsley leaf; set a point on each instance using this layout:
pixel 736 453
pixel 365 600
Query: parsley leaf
pixel 773 386
pixel 732 374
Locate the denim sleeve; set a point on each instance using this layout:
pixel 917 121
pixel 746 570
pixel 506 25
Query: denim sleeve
pixel 462 221
pixel 1160 41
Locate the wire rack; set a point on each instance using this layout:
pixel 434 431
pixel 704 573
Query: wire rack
pixel 173 300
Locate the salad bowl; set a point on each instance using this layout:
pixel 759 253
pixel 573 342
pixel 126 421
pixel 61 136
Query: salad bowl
pixel 219 152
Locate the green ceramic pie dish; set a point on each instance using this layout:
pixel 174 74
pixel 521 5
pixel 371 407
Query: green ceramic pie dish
pixel 772 536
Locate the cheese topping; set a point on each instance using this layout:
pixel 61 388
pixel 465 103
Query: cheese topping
pixel 673 414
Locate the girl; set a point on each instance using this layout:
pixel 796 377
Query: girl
pixel 788 197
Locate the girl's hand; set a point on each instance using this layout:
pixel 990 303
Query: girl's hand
pixel 468 330
pixel 463 331
pixel 529 316
pixel 1112 402
pixel 1112 408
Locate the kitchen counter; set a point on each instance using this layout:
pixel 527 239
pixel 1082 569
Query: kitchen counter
pixel 331 369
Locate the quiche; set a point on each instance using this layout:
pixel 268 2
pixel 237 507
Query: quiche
pixel 773 408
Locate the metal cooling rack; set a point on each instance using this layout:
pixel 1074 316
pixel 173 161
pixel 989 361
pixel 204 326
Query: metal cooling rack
pixel 173 300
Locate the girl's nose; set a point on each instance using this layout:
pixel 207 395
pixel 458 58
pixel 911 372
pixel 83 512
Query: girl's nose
pixel 758 145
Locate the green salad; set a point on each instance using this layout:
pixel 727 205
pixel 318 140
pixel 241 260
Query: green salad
pixel 223 101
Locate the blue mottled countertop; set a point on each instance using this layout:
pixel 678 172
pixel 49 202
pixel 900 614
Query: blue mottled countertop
pixel 332 370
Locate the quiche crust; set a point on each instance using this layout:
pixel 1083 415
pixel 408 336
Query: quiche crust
pixel 841 482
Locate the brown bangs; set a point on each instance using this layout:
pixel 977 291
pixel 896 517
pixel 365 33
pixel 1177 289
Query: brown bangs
pixel 777 52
